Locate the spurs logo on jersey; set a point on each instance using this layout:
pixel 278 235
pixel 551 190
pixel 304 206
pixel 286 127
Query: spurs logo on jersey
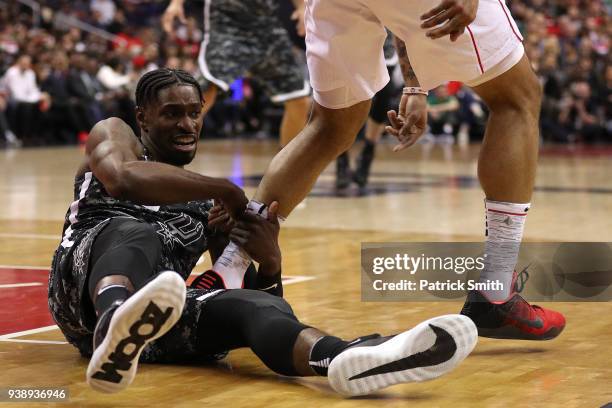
pixel 151 320
pixel 182 229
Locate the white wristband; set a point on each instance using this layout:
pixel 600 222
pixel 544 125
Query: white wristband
pixel 414 90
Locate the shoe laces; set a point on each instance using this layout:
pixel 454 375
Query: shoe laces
pixel 522 307
pixel 521 279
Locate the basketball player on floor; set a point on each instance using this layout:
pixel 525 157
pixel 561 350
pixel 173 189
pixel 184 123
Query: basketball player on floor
pixel 247 36
pixel 344 41
pixel 136 229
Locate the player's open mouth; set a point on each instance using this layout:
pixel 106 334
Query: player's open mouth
pixel 185 143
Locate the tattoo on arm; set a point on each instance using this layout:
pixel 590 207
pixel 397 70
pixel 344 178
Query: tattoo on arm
pixel 410 77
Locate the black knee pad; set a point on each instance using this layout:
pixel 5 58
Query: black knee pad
pixel 125 247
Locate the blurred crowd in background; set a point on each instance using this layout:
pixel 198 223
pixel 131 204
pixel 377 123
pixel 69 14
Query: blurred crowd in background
pixel 75 62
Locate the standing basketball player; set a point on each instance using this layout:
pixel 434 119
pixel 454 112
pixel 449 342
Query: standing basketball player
pixel 138 225
pixel 248 36
pixel 344 41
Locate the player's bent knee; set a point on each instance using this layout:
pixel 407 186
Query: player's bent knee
pixel 528 94
pixel 302 103
pixel 517 91
pixel 337 128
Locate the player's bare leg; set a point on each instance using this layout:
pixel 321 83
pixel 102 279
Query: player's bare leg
pixel 506 169
pixel 210 96
pixel 292 173
pixel 328 133
pixel 294 118
pixel 507 162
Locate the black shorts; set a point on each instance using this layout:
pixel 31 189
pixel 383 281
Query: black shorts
pixel 262 47
pixel 69 301
pixel 197 336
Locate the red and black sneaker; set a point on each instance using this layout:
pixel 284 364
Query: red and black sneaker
pixel 213 280
pixel 513 319
pixel 208 280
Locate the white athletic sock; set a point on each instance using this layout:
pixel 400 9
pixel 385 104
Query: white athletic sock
pixel 504 232
pixel 234 261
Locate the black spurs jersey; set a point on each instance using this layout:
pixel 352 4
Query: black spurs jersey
pixel 181 227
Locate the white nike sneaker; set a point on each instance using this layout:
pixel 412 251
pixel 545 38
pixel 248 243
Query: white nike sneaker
pixel 125 328
pixel 427 351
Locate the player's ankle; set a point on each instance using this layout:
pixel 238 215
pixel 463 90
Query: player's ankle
pixel 108 295
pixel 323 352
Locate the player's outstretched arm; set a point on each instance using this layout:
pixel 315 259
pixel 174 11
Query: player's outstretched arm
pixel 113 153
pixel 410 121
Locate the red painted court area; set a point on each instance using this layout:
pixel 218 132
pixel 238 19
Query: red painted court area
pixel 23 300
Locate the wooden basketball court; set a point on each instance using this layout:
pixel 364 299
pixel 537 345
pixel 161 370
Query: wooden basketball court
pixel 418 195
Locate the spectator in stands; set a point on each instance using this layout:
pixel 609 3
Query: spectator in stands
pixel 443 116
pixel 112 75
pixel 103 11
pixel 25 99
pixel 605 100
pixel 6 135
pixel 67 116
pixel 82 88
pixel 568 42
pixel 113 78
pixel 579 115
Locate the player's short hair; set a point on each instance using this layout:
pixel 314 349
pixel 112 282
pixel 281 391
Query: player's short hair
pixel 152 82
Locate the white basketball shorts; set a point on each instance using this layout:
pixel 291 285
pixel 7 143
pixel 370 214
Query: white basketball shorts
pixel 344 47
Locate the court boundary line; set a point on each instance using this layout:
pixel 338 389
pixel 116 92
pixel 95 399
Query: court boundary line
pixel 38 268
pixel 28 236
pixel 28 332
pixel 20 285
pixel 33 341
